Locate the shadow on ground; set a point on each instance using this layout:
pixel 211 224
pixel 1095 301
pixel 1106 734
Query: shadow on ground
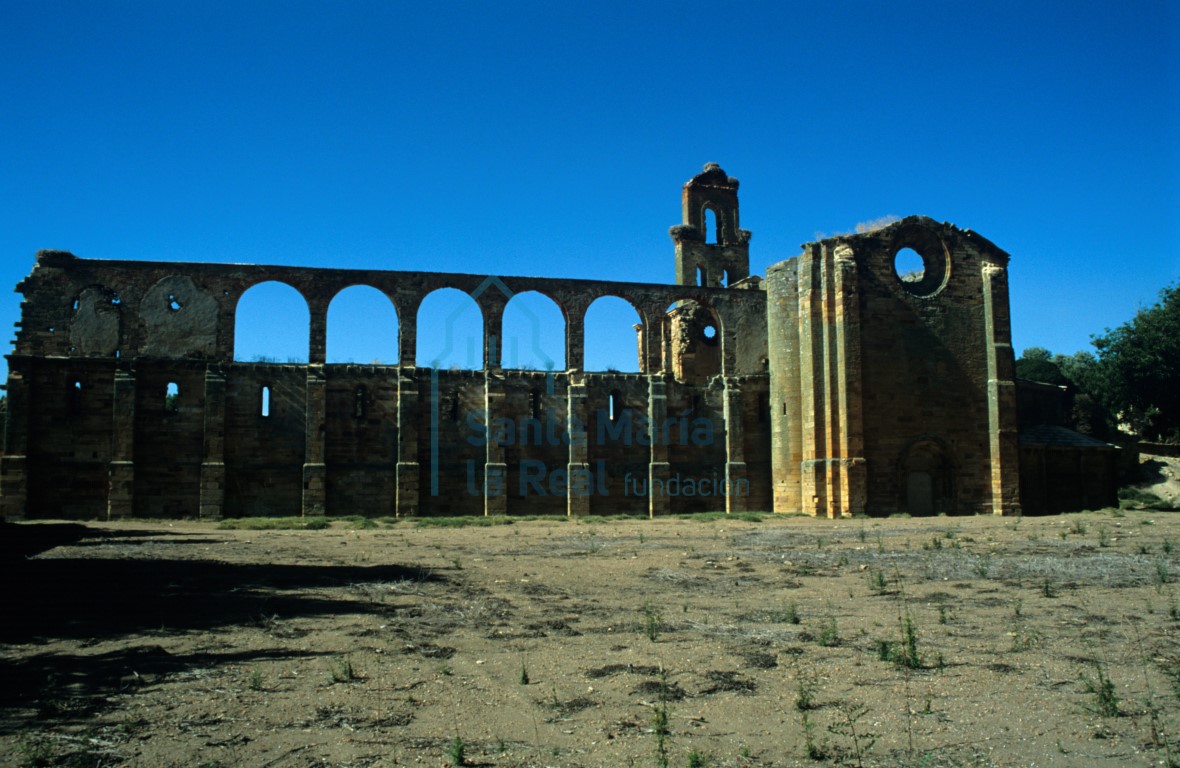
pixel 95 599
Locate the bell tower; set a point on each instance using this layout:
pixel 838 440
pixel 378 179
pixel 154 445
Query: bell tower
pixel 711 250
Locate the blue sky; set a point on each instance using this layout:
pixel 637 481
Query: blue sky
pixel 553 138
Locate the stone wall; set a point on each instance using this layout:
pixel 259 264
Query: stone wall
pixel 838 386
pixel 127 401
pixel 893 393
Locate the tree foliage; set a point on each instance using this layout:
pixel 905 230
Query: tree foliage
pixel 1136 372
pixel 1132 378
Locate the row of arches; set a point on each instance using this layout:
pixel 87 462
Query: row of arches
pixel 272 324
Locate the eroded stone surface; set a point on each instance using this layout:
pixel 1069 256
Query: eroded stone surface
pixel 833 387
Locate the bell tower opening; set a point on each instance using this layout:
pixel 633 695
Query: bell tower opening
pixel 711 250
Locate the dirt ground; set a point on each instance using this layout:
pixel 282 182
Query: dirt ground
pixel 972 641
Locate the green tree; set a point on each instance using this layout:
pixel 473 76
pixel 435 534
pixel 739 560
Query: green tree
pixel 1037 364
pixel 1136 372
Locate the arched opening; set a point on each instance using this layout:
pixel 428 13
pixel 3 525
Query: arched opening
pixel 362 327
pixel 692 340
pixel 450 331
pixel 615 405
pixel 271 325
pixel 611 336
pixel 926 479
pixel 710 227
pixel 172 397
pixel 700 275
pixel 264 401
pixel 534 333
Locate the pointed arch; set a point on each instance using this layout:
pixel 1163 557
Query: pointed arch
pixel 362 327
pixel 272 323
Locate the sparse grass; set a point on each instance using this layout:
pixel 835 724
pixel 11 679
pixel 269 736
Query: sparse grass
pixel 829 634
pixel 860 740
pixel 457 753
pixel 464 521
pixel 342 670
pixel 255 680
pixel 524 672
pixel 1106 701
pixel 806 687
pixel 652 622
pixel 310 523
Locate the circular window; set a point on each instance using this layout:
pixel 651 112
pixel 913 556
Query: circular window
pixel 909 266
pixel 921 265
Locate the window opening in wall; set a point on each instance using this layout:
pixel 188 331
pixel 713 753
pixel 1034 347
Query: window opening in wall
pixel 264 402
pixel 362 327
pixel 172 397
pixel 725 277
pixel 535 404
pixel 610 339
pixel 174 303
pixel 360 402
pixel 74 306
pixel 710 331
pixel 533 333
pixel 74 396
pixel 615 405
pixel 909 265
pixel 271 325
pixel 710 226
pixel 784 407
pixel 450 331
pixel 700 275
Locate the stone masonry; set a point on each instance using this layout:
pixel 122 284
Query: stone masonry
pixel 835 387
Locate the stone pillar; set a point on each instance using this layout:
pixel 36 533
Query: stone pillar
pixel 575 339
pixel 492 305
pixel 121 474
pixel 853 491
pixel 315 474
pixel 735 459
pixel 580 483
pixel 408 470
pixel 1001 392
pixel 658 468
pixel 317 343
pixel 786 436
pixel 407 334
pixel 212 501
pixel 812 384
pixel 495 470
pixel 14 481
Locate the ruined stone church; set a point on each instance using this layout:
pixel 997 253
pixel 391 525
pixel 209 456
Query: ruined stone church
pixel 836 386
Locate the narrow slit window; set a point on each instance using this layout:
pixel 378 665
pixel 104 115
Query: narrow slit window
pixel 264 402
pixel 74 396
pixel 172 397
pixel 615 405
pixel 535 403
pixel 700 275
pixel 360 405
